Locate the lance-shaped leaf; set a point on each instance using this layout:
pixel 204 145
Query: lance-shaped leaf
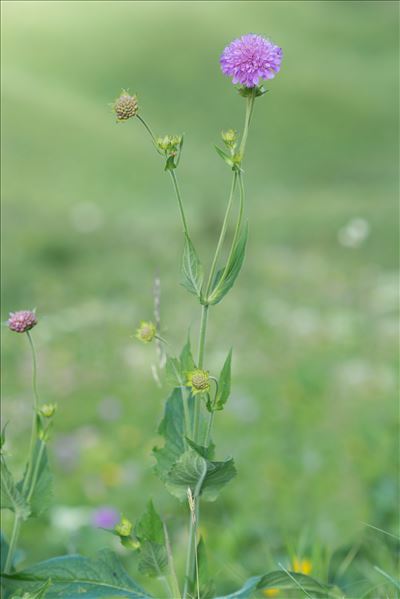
pixel 224 384
pixel 42 493
pixel 205 452
pixel 74 577
pixel 11 496
pixel 192 270
pixel 284 581
pixel 186 358
pixel 225 157
pixel 226 277
pixel 150 532
pixel 176 368
pixel 202 476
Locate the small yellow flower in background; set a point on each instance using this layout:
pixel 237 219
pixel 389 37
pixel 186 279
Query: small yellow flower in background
pixel 270 592
pixel 124 528
pixel 146 331
pixel 302 566
pixel 198 380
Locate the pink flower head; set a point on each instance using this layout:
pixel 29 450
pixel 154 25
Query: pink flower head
pixel 22 321
pixel 250 58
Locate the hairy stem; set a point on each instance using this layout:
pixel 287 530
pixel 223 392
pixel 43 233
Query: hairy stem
pixel 174 578
pixel 247 119
pixel 178 196
pixel 13 543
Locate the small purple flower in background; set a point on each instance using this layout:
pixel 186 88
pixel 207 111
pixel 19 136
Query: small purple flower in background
pixel 22 321
pixel 105 517
pixel 251 58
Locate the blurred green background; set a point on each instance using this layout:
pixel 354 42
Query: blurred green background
pixel 89 219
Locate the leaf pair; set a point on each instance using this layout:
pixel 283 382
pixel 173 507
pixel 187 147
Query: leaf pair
pixel 32 495
pixel 226 277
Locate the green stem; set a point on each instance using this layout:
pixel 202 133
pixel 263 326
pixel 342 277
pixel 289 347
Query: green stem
pixel 247 119
pixel 36 471
pixel 147 128
pixel 174 578
pixel 13 543
pixel 209 427
pixel 178 196
pixel 35 416
pixel 222 234
pixel 34 372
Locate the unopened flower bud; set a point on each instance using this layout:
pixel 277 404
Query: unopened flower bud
pixel 48 410
pixel 169 144
pixel 22 321
pixel 146 331
pixel 198 380
pixel 125 107
pixel 124 528
pixel 229 138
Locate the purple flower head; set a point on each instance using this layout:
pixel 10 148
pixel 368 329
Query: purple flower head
pixel 22 321
pixel 250 58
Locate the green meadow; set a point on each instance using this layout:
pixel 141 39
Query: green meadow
pixel 90 220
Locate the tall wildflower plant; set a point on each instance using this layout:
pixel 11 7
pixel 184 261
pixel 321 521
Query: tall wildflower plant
pixel 186 461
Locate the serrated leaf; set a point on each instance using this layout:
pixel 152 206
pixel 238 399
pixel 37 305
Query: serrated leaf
pixel 192 270
pixel 186 358
pixel 225 157
pixel 173 372
pixel 39 594
pixel 150 527
pixel 153 559
pixel 202 476
pixel 11 495
pixel 172 428
pixel 205 452
pixel 43 491
pixel 226 277
pixel 74 576
pixel 224 383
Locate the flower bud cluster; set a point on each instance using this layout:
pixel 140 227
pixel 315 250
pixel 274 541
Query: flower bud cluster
pixel 124 531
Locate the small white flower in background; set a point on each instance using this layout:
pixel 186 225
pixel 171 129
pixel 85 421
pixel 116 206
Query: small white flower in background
pixel 70 519
pixel 354 233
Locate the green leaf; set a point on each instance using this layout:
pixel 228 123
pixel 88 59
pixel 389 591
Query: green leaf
pixel 192 270
pixel 225 278
pixel 186 358
pixel 39 594
pixel 206 584
pixel 153 559
pixel 150 532
pixel 172 428
pixel 173 372
pixel 150 526
pixel 74 576
pixel 288 581
pixel 205 452
pixel 246 591
pixel 202 476
pixel 224 383
pixel 170 163
pixel 11 495
pixel 225 157
pixel 43 491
